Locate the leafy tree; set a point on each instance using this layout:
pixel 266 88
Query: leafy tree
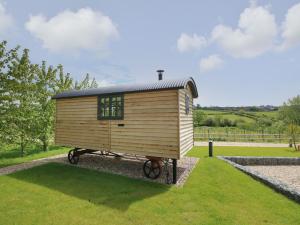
pixel 210 122
pixel 26 108
pixel 5 97
pixel 199 117
pixel 86 83
pixel 45 86
pixel 63 81
pixel 290 113
pixel 18 112
pixel 49 81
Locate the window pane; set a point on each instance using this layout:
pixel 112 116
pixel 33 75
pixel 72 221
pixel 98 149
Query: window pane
pixel 113 109
pixel 110 107
pixel 102 111
pixel 106 111
pixel 119 111
pixel 107 101
pixel 187 104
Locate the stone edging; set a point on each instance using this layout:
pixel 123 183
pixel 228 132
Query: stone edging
pixel 275 184
pixel 263 161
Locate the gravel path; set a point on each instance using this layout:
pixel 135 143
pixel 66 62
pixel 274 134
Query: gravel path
pixel 27 165
pixel 290 175
pixel 241 144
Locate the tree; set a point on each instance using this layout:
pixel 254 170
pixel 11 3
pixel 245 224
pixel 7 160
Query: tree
pixel 45 88
pixel 6 57
pixel 290 113
pixel 26 108
pixel 63 81
pixel 86 83
pixel 49 82
pixel 199 117
pixel 19 113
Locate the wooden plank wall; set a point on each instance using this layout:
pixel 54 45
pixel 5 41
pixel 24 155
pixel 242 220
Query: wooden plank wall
pixel 150 125
pixel 77 124
pixel 186 130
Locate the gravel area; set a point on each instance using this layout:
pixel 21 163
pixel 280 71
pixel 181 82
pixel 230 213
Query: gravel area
pixel 27 165
pixel 133 167
pixel 130 167
pixel 289 175
pixel 279 173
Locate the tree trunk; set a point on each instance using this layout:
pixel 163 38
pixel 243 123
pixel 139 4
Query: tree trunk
pixel 294 142
pixel 22 149
pixel 45 145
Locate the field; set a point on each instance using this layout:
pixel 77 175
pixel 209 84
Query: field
pixel 241 117
pixel 215 193
pixel 247 126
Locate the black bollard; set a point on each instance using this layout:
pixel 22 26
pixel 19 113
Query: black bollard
pixel 210 148
pixel 174 171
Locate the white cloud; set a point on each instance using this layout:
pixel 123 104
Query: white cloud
pixel 254 35
pixel 210 63
pixel 104 83
pixel 70 31
pixel 6 20
pixel 291 28
pixel 188 43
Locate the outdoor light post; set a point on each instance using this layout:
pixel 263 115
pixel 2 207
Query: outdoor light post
pixel 210 148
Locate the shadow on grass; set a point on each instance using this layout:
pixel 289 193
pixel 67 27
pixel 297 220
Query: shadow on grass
pixel 99 188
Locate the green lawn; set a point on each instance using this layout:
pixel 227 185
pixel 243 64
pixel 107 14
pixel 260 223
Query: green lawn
pixel 244 151
pixel 215 193
pixel 11 155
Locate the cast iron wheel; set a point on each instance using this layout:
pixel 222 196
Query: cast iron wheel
pixel 73 157
pixel 152 169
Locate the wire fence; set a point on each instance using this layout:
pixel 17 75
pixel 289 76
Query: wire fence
pixel 242 137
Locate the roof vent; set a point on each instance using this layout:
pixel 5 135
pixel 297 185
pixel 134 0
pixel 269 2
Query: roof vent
pixel 160 74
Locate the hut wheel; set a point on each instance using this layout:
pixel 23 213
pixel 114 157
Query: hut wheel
pixel 73 157
pixel 152 169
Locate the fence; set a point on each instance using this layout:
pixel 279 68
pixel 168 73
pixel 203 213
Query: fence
pixel 241 137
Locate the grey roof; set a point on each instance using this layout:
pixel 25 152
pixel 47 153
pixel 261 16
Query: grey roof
pixel 130 88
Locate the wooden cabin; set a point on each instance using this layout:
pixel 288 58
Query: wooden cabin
pixel 151 119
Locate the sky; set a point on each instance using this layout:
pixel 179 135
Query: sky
pixel 238 52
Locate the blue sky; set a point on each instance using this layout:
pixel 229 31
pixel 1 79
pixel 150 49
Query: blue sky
pixel 238 52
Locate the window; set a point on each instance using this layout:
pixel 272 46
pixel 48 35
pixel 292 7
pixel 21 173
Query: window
pixel 187 104
pixel 110 107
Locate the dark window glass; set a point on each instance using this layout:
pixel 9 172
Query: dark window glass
pixel 187 104
pixel 110 107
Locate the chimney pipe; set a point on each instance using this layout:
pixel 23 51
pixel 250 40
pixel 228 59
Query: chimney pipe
pixel 160 74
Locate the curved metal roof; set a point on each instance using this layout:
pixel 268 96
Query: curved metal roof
pixel 130 88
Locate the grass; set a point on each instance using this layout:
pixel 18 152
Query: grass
pixel 10 155
pixel 215 193
pixel 228 115
pixel 244 151
pixel 243 118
